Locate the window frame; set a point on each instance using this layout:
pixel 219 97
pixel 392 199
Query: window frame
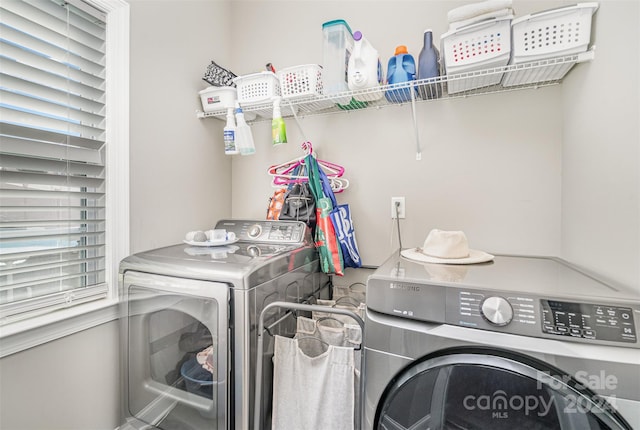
pixel 30 332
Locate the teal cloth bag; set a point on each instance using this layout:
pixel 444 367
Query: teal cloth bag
pixel 326 240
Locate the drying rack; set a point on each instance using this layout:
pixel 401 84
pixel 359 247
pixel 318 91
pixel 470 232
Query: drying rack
pixel 260 350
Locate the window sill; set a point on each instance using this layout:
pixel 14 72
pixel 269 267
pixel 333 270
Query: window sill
pixel 22 335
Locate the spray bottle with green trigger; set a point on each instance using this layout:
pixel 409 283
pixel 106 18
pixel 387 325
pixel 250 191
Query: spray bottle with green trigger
pixel 278 128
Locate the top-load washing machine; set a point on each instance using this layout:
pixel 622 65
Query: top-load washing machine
pixel 516 343
pixel 189 318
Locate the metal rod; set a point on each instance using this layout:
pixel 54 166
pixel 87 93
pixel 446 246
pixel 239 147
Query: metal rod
pixel 415 124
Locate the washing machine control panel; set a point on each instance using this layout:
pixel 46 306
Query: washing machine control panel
pixel 511 313
pixel 525 314
pixel 277 232
pixel 588 321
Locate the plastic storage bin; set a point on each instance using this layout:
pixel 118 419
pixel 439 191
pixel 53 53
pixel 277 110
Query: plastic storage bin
pixel 547 34
pixel 301 81
pixel 257 88
pixel 336 51
pixel 479 46
pixel 218 98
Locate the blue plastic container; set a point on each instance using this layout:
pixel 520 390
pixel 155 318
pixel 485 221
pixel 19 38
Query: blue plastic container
pixel 401 68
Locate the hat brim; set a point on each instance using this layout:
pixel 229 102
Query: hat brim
pixel 474 257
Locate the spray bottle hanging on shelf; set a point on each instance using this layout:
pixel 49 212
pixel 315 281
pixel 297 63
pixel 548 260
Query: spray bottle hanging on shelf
pixel 278 128
pixel 243 135
pixel 229 134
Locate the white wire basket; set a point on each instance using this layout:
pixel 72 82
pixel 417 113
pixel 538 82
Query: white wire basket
pixel 482 45
pixel 551 33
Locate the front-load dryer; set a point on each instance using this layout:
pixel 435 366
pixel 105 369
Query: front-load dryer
pixel 189 318
pixel 517 343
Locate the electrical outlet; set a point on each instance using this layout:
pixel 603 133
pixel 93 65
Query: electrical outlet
pixel 400 210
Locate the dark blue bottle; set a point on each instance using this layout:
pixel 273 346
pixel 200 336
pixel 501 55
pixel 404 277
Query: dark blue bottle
pixel 401 68
pixel 429 67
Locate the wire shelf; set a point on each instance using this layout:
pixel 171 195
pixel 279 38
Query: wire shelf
pixel 530 75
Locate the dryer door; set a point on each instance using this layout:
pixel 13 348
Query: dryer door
pixel 175 352
pixel 465 389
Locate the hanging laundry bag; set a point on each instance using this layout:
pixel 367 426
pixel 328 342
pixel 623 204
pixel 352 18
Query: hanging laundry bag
pixel 341 303
pixel 312 392
pixel 356 291
pixel 330 330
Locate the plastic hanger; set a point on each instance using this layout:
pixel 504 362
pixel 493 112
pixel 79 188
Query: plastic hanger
pixel 283 174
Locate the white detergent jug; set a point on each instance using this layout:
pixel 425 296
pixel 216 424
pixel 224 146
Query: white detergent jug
pixel 365 70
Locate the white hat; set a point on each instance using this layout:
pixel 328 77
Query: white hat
pixel 446 247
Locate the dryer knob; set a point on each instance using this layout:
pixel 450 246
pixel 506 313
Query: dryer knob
pixel 254 231
pixel 497 311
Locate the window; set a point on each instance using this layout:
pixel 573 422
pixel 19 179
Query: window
pixel 63 153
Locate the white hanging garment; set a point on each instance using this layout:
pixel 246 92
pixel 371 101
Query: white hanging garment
pixel 312 392
pixel 357 291
pixel 346 303
pixel 331 331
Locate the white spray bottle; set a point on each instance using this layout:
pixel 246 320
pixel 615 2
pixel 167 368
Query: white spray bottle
pixel 230 134
pixel 244 137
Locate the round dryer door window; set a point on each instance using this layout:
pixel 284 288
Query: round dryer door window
pixel 481 390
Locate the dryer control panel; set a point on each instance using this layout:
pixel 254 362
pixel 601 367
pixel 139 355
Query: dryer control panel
pixel 280 232
pixel 588 321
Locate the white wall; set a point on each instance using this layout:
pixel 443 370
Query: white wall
pixel 180 180
pixel 601 150
pixel 69 384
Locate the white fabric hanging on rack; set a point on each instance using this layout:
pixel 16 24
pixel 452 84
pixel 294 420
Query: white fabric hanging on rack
pixel 312 392
pixel 330 330
pixel 341 303
pixel 357 291
pixel 338 335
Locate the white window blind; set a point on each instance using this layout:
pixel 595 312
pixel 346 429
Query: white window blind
pixel 52 156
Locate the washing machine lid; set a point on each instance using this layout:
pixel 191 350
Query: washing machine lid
pixel 265 250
